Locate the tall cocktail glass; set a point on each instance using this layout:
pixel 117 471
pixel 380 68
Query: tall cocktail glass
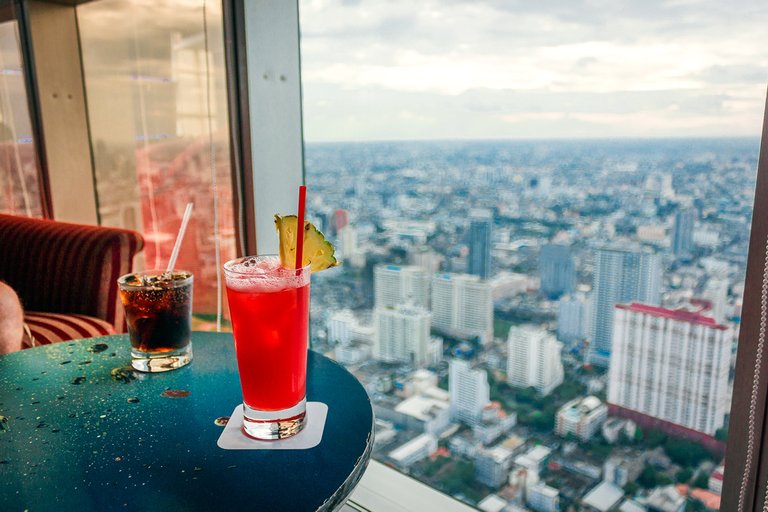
pixel 158 311
pixel 269 308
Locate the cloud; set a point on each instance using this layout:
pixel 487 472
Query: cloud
pixel 581 63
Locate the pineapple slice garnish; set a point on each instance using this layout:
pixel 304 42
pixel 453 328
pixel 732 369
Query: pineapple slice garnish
pixel 317 252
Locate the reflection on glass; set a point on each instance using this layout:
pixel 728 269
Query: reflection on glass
pixel 19 183
pixel 150 86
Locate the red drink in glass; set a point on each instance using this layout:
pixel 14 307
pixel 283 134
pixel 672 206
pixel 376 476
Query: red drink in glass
pixel 269 307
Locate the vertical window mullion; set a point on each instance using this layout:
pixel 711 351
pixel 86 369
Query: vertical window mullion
pixel 744 487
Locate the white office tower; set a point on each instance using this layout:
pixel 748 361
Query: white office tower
pixel 341 325
pixel 533 359
pixel 543 498
pixel 401 335
pixel 670 365
pixel 574 314
pixel 469 391
pixel 347 241
pixel 620 276
pixel 716 292
pixel 349 248
pixel 426 259
pixel 395 285
pixel 462 304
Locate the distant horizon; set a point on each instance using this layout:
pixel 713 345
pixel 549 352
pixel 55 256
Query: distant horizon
pixel 540 139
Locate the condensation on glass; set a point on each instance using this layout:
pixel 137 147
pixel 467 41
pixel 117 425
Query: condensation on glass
pixel 151 85
pixel 19 170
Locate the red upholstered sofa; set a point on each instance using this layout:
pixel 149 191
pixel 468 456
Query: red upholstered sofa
pixel 66 275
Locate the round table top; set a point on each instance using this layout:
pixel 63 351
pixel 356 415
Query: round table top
pixel 80 430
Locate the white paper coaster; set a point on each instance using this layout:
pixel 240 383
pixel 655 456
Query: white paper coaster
pixel 233 438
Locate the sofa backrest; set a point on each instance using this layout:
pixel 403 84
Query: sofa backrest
pixel 60 267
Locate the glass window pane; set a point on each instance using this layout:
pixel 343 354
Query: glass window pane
pixel 573 198
pixel 19 169
pixel 151 86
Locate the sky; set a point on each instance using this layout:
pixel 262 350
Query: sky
pixel 513 69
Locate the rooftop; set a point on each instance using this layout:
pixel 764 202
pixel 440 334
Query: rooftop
pixel 413 446
pixel 492 503
pixel 421 407
pixel 603 497
pixel 681 315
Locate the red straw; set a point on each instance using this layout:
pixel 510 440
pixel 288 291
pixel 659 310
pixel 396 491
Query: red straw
pixel 300 227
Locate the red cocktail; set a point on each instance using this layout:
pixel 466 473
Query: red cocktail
pixel 269 307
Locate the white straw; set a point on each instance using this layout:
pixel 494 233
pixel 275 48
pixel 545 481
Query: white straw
pixel 180 237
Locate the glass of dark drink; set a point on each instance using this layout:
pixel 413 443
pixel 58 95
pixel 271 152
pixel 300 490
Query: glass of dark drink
pixel 158 311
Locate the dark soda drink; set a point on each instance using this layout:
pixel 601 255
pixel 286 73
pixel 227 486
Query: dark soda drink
pixel 158 311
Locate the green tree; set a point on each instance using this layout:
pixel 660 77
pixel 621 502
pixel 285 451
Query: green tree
pixel 527 395
pixel 684 475
pixel 702 480
pixel 722 434
pixel 648 478
pixel 654 438
pixel 631 488
pixel 459 478
pixel 686 453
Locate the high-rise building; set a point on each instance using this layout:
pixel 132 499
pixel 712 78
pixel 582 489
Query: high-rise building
pixel 480 226
pixel 402 335
pixel 395 285
pixel 340 326
pixel 347 237
pixel 469 391
pixel 556 270
pixel 462 304
pixel 670 365
pixel 574 314
pixel 425 258
pixel 336 221
pixel 682 236
pixel 620 276
pixel 581 417
pixel 533 359
pixel 543 498
pixel 492 466
pixel 716 292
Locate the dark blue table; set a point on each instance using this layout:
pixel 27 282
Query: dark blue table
pixel 79 430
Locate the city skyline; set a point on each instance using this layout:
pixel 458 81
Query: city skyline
pixel 551 436
pixel 510 70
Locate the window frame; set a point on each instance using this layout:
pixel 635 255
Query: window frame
pixel 746 461
pixel 262 180
pixel 265 101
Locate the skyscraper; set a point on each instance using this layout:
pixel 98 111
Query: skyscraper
pixel 556 270
pixel 682 241
pixel 395 285
pixel 469 391
pixel 533 359
pixel 716 292
pixel 462 303
pixel 620 276
pixel 402 335
pixel 669 365
pixel 574 314
pixel 480 225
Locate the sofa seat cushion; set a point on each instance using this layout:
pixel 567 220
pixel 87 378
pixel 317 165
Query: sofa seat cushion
pixel 48 328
